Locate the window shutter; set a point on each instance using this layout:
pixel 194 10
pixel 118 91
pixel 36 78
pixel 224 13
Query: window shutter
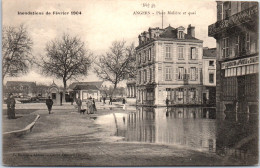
pixel 197 53
pixel 184 52
pixel 171 73
pixel 176 74
pixel 189 53
pixel 164 73
pixel 188 73
pixel 197 73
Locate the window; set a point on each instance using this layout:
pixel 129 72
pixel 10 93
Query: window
pixel 180 35
pixel 211 63
pixel 151 74
pixel 211 78
pixel 180 73
pixel 144 56
pixel 192 73
pixel 192 93
pixel 140 57
pixel 225 49
pixel 149 54
pixel 219 12
pixel 193 53
pixel 168 73
pixel 180 49
pixel 168 93
pixel 237 46
pixel 180 94
pixel 145 76
pixel 227 9
pixel 247 41
pixel 168 52
pixel 140 77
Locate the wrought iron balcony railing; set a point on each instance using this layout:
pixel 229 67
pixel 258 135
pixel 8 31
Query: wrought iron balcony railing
pixel 236 19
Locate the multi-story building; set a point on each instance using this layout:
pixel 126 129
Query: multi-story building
pixel 169 65
pixel 236 33
pixel 209 76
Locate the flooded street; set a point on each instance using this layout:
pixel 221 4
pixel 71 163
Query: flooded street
pixel 194 128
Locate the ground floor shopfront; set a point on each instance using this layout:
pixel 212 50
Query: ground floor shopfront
pixel 238 86
pixel 178 95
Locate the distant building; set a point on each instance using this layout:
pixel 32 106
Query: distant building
pixel 20 88
pixel 209 75
pixel 55 93
pixel 169 65
pixel 85 90
pixel 236 34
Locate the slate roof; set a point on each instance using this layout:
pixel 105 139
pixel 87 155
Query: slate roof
pixel 85 87
pixel 98 84
pixel 13 83
pixel 170 32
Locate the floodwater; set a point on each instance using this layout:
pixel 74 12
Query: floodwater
pixel 191 127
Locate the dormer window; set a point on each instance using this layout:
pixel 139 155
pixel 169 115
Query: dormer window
pixel 180 35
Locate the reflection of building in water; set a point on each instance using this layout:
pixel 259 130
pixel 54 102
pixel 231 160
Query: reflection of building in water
pixel 185 112
pixel 183 126
pixel 236 34
pixel 141 126
pixel 179 128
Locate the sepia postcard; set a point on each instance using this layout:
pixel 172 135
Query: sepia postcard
pixel 130 83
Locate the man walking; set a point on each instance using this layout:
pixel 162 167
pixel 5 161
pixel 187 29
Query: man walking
pixel 110 100
pixel 79 103
pixel 104 100
pixel 49 104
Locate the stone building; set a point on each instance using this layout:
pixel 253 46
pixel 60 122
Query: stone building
pixel 236 34
pixel 209 76
pixel 169 64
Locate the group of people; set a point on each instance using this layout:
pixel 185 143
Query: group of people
pixel 104 100
pixel 89 107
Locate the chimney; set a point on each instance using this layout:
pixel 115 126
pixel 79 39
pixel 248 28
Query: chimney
pixel 191 31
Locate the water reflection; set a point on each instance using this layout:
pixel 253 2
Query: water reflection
pixel 191 127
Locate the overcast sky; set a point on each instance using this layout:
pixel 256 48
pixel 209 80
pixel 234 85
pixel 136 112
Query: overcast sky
pixel 103 21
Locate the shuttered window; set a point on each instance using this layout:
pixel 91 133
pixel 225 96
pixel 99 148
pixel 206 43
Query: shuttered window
pixel 168 74
pixel 167 52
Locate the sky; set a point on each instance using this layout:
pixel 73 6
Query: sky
pixel 101 22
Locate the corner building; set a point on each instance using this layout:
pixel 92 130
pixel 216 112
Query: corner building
pixel 236 34
pixel 169 64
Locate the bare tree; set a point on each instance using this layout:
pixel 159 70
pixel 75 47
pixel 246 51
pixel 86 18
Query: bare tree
pixel 16 50
pixel 66 58
pixel 117 64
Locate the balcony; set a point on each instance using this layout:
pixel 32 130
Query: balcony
pixel 236 19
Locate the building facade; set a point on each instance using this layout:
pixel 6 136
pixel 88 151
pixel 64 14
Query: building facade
pixel 169 65
pixel 21 88
pixel 209 76
pixel 236 34
pixel 131 89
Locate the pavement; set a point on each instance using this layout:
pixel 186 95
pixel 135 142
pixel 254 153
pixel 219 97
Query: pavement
pixel 67 138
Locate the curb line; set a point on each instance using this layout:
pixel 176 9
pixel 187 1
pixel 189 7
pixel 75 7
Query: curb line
pixel 23 131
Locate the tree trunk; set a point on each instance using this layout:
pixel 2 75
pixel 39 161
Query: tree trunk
pixel 115 85
pixel 64 90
